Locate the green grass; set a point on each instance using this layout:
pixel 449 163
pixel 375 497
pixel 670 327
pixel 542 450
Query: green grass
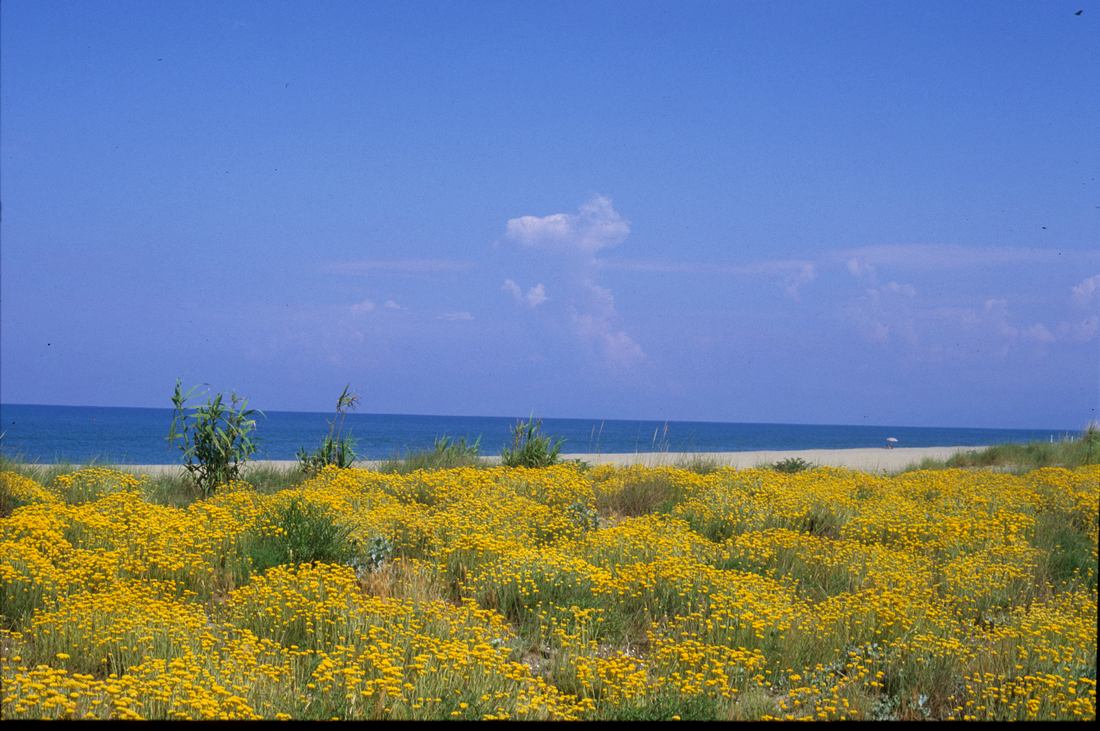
pixel 699 463
pixel 40 473
pixel 1020 458
pixel 652 493
pixel 792 464
pixel 446 454
pixel 308 533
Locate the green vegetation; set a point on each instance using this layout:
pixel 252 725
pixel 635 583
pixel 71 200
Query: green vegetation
pixel 699 463
pixel 445 454
pixel 650 492
pixel 792 464
pixel 43 474
pixel 215 439
pixel 336 449
pixel 303 531
pixel 529 447
pixel 1021 458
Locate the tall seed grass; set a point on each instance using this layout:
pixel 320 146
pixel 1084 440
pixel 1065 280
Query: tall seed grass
pixel 1021 458
pixel 445 454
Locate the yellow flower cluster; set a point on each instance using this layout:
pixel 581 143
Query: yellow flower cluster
pixel 92 483
pixel 557 593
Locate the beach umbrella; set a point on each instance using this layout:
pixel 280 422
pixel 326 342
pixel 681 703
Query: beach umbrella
pixel 891 439
pixel 890 442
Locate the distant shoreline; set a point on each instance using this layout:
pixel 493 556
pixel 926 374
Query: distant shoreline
pixel 868 459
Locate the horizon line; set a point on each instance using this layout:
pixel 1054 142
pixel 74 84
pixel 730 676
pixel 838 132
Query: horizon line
pixel 597 418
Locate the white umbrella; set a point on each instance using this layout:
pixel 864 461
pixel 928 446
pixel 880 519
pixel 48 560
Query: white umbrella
pixel 891 439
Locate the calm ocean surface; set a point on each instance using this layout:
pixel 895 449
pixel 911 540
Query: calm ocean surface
pixel 78 434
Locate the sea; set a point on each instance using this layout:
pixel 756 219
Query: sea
pixel 123 435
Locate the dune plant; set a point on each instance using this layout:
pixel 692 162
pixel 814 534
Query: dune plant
pixel 446 453
pixel 297 532
pixel 529 447
pixel 1019 458
pixel 215 439
pixel 792 464
pixel 336 449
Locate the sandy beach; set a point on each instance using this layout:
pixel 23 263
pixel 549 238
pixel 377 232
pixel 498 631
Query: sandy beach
pixel 870 459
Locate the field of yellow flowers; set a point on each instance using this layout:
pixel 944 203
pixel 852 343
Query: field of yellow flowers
pixel 557 593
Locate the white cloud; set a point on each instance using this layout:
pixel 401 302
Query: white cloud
pixel 597 225
pixel 459 316
pixel 994 318
pixel 513 289
pixel 1085 292
pixel 363 307
pixel 572 241
pixel 391 305
pixel 535 295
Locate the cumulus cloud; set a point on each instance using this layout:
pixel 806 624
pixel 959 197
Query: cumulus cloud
pixel 535 295
pixel 458 316
pixel 995 319
pixel 391 305
pixel 596 226
pixel 569 243
pixel 1085 292
pixel 362 308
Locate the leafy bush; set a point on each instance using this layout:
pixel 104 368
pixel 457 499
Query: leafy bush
pixel 335 449
pixel 792 464
pixel 215 439
pixel 303 532
pixel 529 448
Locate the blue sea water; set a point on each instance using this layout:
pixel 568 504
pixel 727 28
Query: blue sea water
pixel 118 435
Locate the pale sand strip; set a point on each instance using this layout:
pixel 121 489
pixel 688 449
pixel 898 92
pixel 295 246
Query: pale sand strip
pixel 872 459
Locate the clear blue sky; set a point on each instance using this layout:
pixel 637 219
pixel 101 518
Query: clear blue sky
pixel 838 212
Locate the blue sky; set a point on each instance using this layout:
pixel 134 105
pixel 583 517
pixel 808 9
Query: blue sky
pixel 842 212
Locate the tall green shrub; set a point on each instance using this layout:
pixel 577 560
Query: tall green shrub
pixel 529 447
pixel 336 449
pixel 215 438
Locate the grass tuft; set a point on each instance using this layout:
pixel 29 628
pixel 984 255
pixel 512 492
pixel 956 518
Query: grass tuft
pixel 445 454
